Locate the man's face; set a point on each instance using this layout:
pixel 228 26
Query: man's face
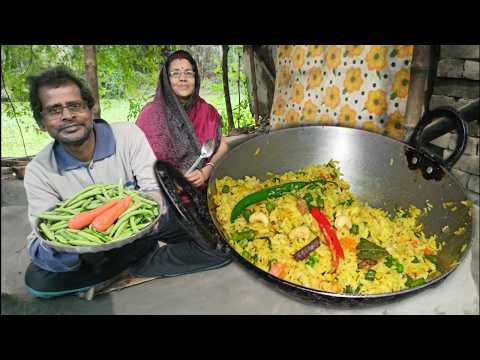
pixel 70 125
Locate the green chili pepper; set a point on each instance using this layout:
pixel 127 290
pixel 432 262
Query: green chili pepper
pixel 309 199
pixel 246 214
pixel 269 193
pixel 320 202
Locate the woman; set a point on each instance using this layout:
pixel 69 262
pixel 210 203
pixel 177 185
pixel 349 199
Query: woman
pixel 178 121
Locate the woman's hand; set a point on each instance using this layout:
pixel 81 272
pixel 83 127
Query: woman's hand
pixel 197 178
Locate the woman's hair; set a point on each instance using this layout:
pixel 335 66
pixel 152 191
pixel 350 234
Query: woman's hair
pixel 55 77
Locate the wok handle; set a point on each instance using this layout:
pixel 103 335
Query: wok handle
pixel 194 218
pixel 448 115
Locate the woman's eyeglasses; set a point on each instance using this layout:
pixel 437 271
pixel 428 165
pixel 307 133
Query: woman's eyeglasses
pixel 57 110
pixel 176 74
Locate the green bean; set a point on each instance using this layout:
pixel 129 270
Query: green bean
pixel 60 239
pixel 133 224
pixel 89 237
pixel 76 197
pixel 47 232
pixel 74 239
pixel 85 196
pixel 105 194
pixel 124 235
pixel 53 217
pixel 59 225
pixel 130 210
pixel 100 235
pixel 120 229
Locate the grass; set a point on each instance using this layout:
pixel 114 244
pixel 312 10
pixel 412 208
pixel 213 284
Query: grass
pixel 112 111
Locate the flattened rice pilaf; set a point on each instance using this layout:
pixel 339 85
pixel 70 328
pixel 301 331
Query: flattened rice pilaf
pixel 382 252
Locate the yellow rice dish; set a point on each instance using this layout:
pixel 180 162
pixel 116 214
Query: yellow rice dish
pixel 380 252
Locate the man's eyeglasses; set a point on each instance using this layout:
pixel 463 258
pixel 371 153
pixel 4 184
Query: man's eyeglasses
pixel 56 111
pixel 176 74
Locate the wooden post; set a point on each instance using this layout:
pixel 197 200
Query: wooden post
pixel 254 84
pixel 92 78
pixel 418 79
pixel 226 88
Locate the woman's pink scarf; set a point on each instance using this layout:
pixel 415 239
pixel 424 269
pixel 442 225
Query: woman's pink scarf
pixel 174 134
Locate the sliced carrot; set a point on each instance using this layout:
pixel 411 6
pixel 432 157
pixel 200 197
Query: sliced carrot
pixel 103 221
pixel 349 243
pixel 428 251
pixel 278 270
pixel 85 218
pixel 414 242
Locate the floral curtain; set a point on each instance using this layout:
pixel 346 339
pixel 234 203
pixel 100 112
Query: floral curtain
pixel 361 86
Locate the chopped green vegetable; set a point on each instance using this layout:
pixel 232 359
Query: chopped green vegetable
pixel 369 250
pixel 354 229
pixel 225 189
pixel 412 283
pixel 432 259
pixel 415 260
pixel 312 260
pixel 270 206
pixel 370 274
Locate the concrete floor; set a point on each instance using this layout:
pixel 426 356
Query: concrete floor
pixel 230 290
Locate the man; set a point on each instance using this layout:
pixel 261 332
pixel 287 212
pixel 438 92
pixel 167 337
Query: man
pixel 85 152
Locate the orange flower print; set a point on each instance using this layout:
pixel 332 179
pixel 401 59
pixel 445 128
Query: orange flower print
pixel 394 126
pixel 284 76
pixel 376 57
pixel 371 126
pixel 315 50
pixel 354 50
pixel 333 57
pixel 279 107
pixel 298 57
pixel 292 117
pixel 347 116
pixel 284 51
pixel 400 84
pixel 297 93
pixel 402 51
pixel 315 77
pixel 353 80
pixel 325 119
pixel 376 102
pixel 332 97
pixel 309 111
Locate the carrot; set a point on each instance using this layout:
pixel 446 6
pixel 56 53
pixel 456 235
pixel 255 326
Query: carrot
pixel 349 243
pixel 84 218
pixel 428 251
pixel 103 221
pixel 278 270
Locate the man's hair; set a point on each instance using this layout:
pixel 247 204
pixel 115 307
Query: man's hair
pixel 55 77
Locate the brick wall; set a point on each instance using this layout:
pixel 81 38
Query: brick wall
pixel 456 84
